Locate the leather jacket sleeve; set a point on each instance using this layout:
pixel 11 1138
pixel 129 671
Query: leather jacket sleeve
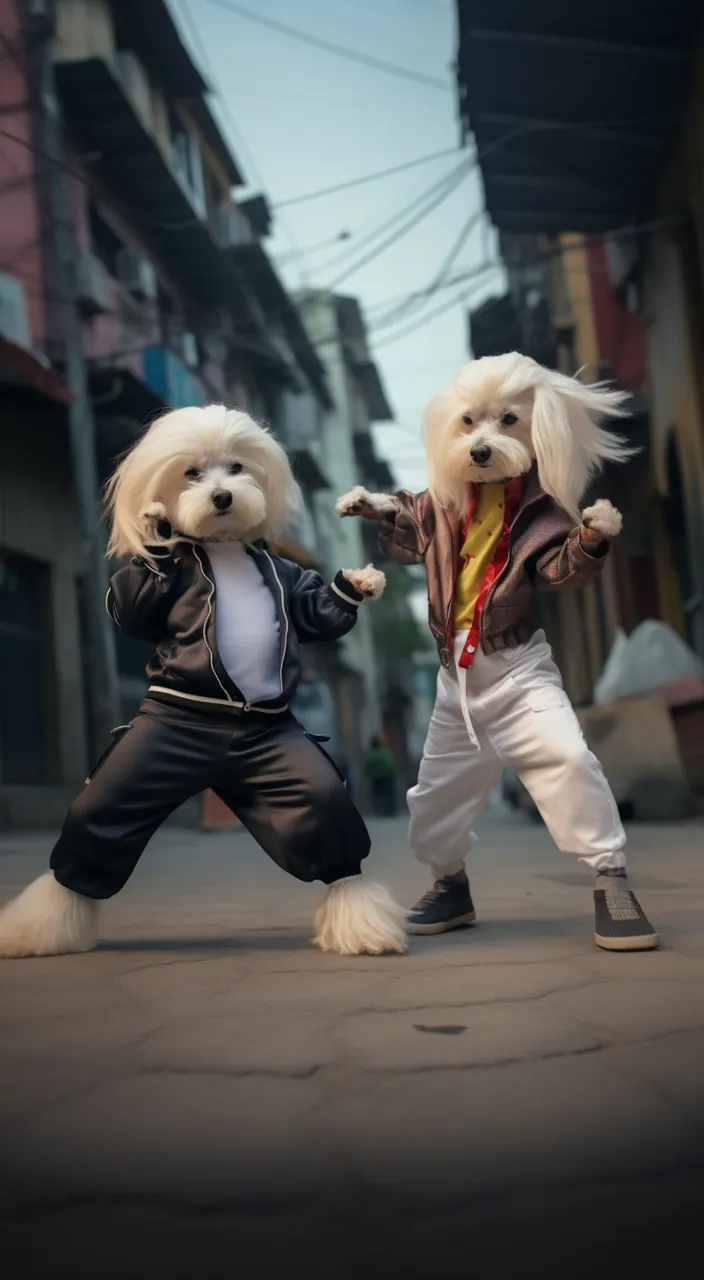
pixel 320 612
pixel 139 599
pixel 405 535
pixel 569 565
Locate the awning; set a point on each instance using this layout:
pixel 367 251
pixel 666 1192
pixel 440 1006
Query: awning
pixel 573 108
pixel 20 369
pixel 128 159
pixel 254 262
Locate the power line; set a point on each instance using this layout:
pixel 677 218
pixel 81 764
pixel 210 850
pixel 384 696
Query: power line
pixel 187 16
pixel 451 184
pixel 422 296
pixel 459 298
pixel 329 46
pixel 367 177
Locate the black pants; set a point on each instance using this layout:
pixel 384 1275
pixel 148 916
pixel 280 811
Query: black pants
pixel 280 784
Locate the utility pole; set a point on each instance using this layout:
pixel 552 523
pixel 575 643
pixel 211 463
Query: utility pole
pixel 102 663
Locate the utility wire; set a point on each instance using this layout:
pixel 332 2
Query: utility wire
pixel 367 177
pixel 329 46
pixel 414 304
pixel 451 184
pixel 189 20
pixel 370 237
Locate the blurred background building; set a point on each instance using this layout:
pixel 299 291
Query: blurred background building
pixel 176 302
pixel 139 270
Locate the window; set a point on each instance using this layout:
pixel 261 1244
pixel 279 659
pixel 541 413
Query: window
pixel 106 245
pixel 187 161
pixel 24 698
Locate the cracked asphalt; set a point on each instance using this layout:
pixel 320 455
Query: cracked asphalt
pixel 207 1091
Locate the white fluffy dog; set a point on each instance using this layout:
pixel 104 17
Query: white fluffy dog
pixel 203 476
pixel 498 416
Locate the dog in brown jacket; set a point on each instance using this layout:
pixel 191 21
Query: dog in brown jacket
pixel 511 449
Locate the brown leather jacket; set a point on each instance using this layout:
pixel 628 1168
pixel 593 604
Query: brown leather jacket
pixel 544 552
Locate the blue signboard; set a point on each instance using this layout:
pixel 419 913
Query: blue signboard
pixel 170 379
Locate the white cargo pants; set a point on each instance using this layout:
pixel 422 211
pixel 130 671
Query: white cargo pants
pixel 509 709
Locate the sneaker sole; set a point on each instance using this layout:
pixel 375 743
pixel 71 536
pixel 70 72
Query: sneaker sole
pixel 445 926
pixel 647 942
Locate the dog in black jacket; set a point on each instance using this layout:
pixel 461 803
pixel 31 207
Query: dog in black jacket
pixel 194 506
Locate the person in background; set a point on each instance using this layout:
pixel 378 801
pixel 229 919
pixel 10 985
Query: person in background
pixel 381 772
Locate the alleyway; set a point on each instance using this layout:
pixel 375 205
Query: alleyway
pixel 210 1085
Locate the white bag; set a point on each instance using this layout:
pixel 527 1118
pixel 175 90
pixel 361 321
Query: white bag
pixel 652 656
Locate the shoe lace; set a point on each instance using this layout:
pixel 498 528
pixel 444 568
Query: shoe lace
pixel 432 895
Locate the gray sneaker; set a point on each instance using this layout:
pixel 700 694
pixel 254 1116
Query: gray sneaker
pixel 448 905
pixel 620 922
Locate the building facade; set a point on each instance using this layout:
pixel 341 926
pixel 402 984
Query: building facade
pixel 177 304
pixel 598 200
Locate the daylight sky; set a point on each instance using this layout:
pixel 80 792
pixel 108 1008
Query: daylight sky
pixel 300 118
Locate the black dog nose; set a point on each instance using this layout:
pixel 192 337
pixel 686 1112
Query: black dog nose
pixel 222 499
pixel 481 454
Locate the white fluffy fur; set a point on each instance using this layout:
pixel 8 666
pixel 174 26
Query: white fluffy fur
pixel 557 425
pixel 150 484
pixel 370 582
pixel 354 502
pixel 47 920
pixel 603 518
pixel 359 918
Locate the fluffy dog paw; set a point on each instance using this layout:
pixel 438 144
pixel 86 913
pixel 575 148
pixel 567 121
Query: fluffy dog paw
pixel 370 582
pixel 603 518
pixel 153 515
pixel 358 502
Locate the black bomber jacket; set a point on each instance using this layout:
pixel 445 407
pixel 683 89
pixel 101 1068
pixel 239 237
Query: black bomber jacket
pixel 173 606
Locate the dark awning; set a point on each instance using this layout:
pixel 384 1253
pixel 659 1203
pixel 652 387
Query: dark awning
pixel 254 262
pixel 23 371
pixel 573 107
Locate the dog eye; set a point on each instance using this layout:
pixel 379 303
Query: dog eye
pixel 235 468
pixel 509 419
pixel 192 473
pixel 466 419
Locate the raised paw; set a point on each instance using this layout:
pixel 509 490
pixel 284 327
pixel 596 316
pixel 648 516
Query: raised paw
pixel 359 502
pixel 603 518
pixel 153 515
pixel 370 582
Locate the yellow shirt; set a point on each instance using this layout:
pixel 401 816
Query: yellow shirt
pixel 478 550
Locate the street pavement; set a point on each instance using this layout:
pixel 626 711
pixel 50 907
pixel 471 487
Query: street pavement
pixel 208 1095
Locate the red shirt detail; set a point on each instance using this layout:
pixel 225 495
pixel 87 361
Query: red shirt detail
pixel 513 492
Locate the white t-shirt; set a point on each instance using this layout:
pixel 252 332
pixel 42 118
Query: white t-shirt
pixel 246 622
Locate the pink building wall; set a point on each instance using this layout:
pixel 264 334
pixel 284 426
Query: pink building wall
pixel 21 250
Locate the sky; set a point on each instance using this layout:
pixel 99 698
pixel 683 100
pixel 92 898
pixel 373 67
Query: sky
pixel 300 118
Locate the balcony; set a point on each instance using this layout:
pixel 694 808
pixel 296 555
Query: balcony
pixel 175 384
pixel 111 122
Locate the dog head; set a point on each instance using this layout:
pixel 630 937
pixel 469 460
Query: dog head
pixel 216 473
pixel 502 413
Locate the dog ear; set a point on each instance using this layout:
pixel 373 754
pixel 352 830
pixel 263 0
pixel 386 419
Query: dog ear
pixel 569 444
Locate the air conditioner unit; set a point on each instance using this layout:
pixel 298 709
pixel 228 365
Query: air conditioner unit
pixel 14 317
pixel 232 228
pixel 137 274
pixel 93 284
pixel 189 347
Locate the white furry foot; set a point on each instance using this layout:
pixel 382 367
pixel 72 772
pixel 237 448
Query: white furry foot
pixel 603 518
pixel 359 918
pixel 359 502
pixel 47 920
pixel 370 582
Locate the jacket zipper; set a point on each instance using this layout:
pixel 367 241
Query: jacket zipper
pixel 284 638
pixel 208 616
